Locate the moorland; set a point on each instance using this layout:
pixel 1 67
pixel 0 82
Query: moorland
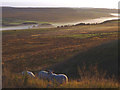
pixel 73 50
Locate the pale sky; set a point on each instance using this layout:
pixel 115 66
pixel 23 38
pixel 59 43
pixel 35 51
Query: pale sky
pixel 61 3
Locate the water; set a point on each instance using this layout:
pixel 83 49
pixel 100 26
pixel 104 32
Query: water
pixel 15 27
pixel 97 20
pixel 115 14
pixel 92 21
pixel 22 27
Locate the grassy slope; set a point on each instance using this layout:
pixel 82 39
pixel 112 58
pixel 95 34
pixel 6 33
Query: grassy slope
pixel 105 56
pixel 36 50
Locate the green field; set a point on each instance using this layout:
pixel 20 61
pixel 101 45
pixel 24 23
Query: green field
pixel 17 22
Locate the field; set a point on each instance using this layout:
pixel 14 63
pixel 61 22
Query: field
pixel 87 54
pixel 63 50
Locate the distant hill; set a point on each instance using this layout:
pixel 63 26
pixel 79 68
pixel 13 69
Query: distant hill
pixel 55 14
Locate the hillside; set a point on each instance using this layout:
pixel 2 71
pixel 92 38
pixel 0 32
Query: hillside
pixel 36 49
pixel 105 56
pixel 64 50
pixel 16 16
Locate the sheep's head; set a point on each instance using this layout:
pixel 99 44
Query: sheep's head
pixel 50 72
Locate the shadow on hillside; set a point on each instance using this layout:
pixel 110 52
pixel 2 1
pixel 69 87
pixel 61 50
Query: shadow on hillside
pixel 105 56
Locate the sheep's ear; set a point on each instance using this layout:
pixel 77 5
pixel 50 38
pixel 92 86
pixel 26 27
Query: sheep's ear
pixel 52 71
pixel 33 72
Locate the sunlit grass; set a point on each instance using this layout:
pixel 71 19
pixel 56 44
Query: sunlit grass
pixel 82 36
pixel 15 21
pixel 29 49
pixel 91 78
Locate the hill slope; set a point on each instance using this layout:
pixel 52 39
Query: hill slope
pixel 105 56
pixel 54 14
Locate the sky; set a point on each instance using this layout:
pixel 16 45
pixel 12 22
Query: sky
pixel 61 3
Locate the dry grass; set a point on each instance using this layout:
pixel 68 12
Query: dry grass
pixel 22 51
pixel 89 79
pixel 20 48
pixel 91 84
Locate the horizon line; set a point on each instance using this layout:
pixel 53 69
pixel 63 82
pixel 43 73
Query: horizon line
pixel 52 7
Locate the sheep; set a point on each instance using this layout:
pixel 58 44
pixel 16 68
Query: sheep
pixel 50 76
pixel 28 73
pixel 59 78
pixel 43 75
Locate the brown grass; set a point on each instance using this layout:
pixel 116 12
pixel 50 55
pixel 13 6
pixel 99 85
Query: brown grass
pixel 22 51
pixel 91 78
pixel 20 48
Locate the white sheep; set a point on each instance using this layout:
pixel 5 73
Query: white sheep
pixel 28 73
pixel 43 75
pixel 58 78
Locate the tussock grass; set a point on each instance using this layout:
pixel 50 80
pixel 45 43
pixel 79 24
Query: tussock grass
pixel 90 84
pixel 91 78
